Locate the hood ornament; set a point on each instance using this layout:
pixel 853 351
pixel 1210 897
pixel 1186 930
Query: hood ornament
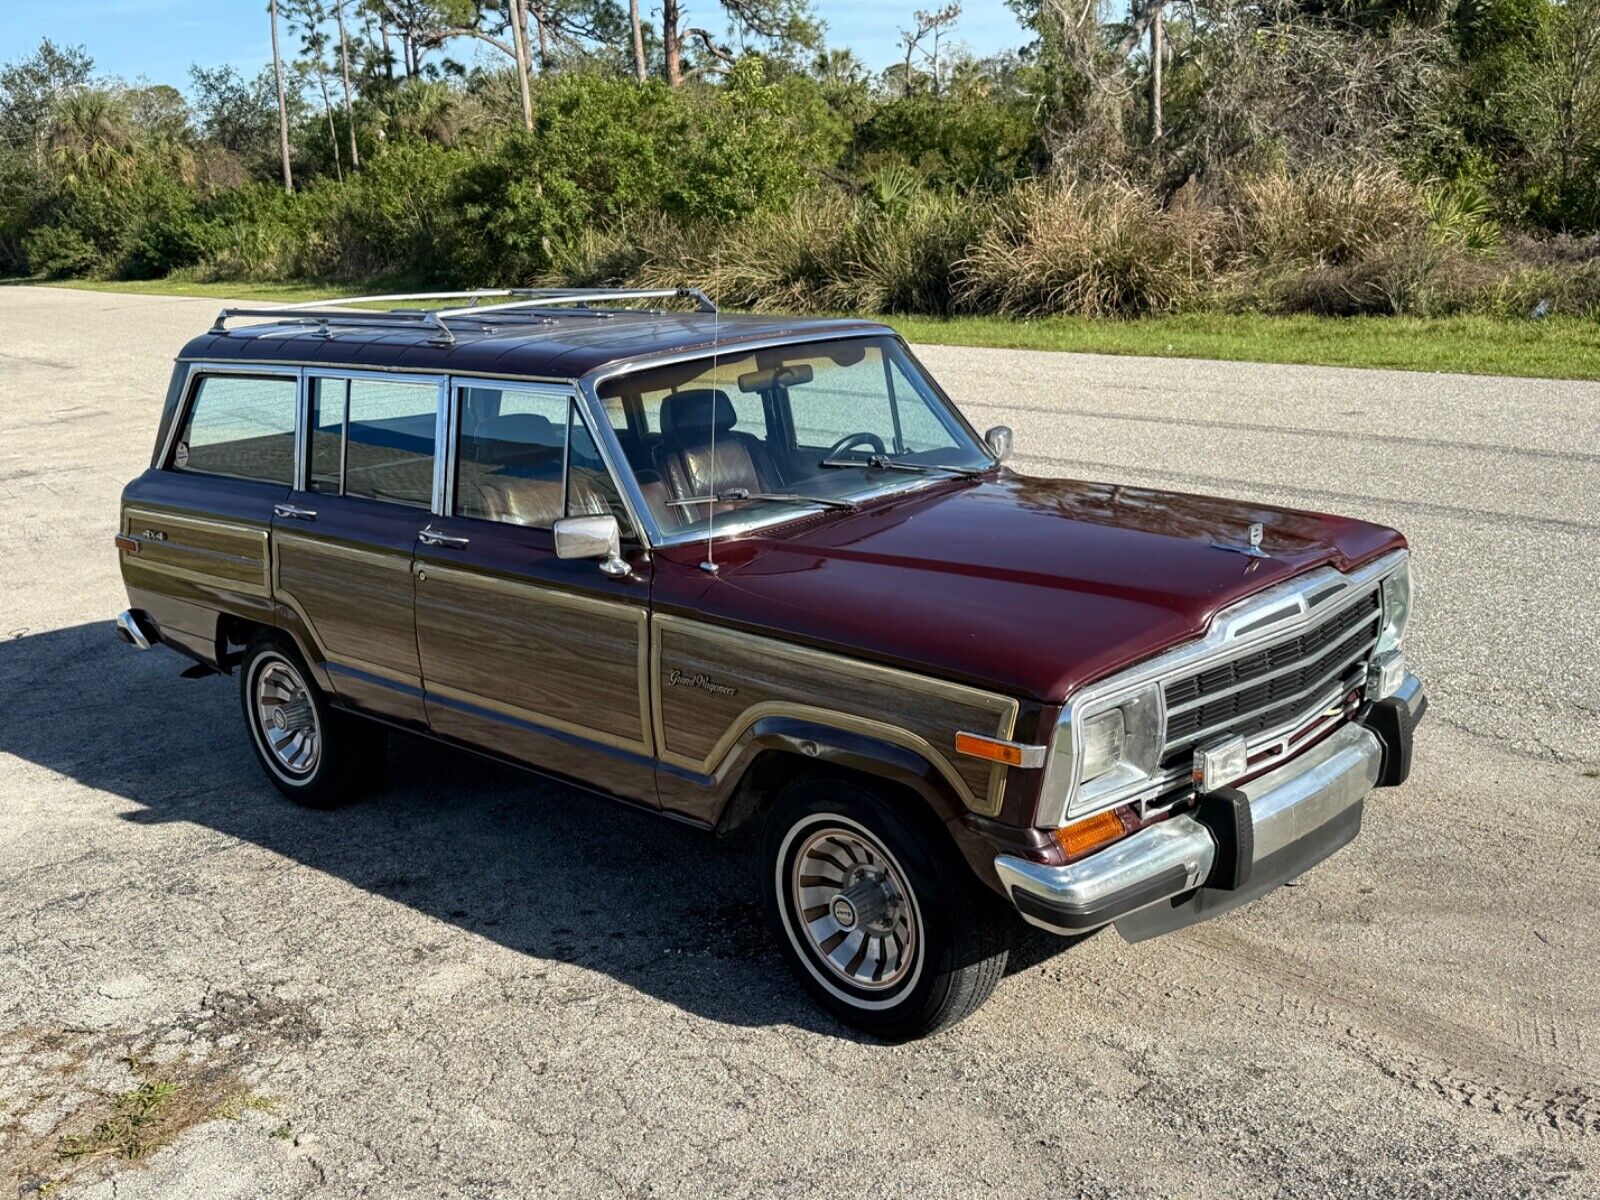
pixel 1253 550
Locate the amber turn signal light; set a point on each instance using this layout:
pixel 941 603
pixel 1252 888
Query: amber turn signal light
pixel 1011 754
pixel 1091 833
pixel 130 544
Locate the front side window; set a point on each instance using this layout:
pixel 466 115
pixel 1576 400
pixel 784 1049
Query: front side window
pixel 513 462
pixel 240 426
pixel 837 420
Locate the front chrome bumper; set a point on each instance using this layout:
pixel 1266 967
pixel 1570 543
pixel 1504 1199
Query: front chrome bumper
pixel 1156 880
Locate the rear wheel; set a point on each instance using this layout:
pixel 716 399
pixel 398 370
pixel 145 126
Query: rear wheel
pixel 877 915
pixel 313 754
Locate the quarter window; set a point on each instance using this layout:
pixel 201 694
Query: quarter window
pixel 240 426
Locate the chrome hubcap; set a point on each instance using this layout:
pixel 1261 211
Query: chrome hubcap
pixel 854 908
pixel 287 720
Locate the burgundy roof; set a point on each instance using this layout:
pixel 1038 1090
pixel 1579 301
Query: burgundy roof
pixel 569 346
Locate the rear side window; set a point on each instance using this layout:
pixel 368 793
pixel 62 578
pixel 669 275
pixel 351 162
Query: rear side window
pixel 240 426
pixel 389 436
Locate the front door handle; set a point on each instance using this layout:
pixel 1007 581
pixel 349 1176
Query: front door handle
pixel 292 513
pixel 432 537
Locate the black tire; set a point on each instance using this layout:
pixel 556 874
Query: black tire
pixel 943 967
pixel 348 753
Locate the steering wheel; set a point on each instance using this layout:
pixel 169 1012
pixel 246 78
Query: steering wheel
pixel 851 440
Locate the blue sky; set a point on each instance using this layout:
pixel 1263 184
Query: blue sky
pixel 158 39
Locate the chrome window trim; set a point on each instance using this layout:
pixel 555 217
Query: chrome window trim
pixel 1234 631
pixel 611 446
pixel 196 370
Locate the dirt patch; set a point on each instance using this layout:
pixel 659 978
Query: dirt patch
pixel 84 1103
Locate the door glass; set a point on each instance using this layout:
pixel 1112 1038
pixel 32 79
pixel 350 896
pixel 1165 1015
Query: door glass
pixel 326 470
pixel 510 455
pixel 389 441
pixel 513 462
pixel 239 426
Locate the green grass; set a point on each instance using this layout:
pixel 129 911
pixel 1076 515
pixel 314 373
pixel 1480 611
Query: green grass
pixel 1557 348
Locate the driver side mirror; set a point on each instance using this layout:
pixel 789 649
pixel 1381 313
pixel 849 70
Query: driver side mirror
pixel 592 537
pixel 999 440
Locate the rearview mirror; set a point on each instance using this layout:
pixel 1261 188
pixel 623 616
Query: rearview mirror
pixel 592 537
pixel 999 440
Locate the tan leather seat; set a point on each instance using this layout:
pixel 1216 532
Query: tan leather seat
pixel 685 457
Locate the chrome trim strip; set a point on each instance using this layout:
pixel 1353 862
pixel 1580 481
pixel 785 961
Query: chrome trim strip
pixel 255 366
pixel 1295 604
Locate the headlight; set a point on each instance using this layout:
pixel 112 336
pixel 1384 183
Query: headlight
pixel 1396 608
pixel 1108 752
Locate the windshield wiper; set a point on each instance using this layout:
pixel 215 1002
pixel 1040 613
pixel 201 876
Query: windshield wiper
pixel 883 462
pixel 736 495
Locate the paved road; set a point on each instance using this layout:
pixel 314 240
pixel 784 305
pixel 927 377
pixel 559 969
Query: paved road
pixel 482 985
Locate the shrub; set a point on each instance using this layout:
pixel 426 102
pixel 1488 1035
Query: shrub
pixel 59 252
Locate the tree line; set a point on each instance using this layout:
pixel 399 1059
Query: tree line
pixel 1325 155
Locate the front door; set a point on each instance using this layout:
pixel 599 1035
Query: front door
pixel 524 654
pixel 343 543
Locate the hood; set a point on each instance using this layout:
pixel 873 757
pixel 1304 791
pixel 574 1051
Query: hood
pixel 1032 587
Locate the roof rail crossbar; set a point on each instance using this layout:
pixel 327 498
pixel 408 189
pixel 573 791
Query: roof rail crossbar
pixel 326 313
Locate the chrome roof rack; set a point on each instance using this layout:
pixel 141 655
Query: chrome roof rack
pixel 325 314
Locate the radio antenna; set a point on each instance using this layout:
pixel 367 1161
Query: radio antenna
pixel 710 564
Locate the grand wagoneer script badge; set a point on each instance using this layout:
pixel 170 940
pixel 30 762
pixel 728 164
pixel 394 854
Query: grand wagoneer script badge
pixel 678 678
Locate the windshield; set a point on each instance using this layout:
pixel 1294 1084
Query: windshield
pixel 769 432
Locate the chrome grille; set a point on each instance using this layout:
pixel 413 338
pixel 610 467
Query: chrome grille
pixel 1278 685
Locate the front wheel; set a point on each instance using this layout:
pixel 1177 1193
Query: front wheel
pixel 313 754
pixel 877 915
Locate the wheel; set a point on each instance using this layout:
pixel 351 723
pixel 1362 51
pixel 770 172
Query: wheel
pixel 876 913
pixel 313 754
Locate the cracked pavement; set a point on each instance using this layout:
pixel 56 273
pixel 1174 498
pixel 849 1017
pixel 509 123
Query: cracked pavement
pixel 479 984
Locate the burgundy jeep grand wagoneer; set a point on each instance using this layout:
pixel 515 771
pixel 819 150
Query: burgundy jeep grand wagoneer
pixel 741 568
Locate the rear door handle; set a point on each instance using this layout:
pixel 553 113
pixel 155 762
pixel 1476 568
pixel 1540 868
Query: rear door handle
pixel 292 513
pixel 432 537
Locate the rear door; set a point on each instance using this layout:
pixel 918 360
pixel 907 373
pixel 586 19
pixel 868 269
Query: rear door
pixel 525 654
pixel 344 541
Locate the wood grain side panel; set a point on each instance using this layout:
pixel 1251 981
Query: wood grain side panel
pixel 570 662
pixel 226 555
pixel 713 683
pixel 356 602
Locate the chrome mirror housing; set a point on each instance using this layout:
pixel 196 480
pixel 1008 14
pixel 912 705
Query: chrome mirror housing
pixel 999 440
pixel 592 537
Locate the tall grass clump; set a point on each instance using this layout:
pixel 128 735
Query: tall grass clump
pixel 1324 216
pixel 1091 250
